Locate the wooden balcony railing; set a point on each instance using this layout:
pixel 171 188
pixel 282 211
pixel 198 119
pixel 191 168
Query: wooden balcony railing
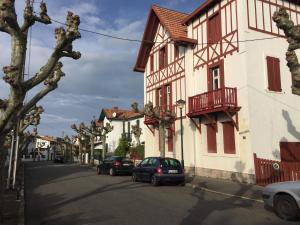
pixel 213 101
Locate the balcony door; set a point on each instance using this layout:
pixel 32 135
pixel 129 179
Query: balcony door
pixel 215 84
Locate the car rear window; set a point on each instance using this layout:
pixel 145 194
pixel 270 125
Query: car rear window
pixel 170 163
pixel 126 160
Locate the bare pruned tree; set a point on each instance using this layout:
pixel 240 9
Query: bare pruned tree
pixel 162 118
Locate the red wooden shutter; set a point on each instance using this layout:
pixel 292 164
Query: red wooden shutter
pixel 176 53
pixel 228 138
pixel 274 81
pixel 170 140
pixel 214 29
pixel 151 63
pixel 211 139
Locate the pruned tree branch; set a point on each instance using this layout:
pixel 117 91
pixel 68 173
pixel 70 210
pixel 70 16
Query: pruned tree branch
pixel 30 18
pixel 292 33
pixel 33 118
pixel 64 39
pixel 8 17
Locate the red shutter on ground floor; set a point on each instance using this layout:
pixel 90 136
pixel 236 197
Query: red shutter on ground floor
pixel 228 138
pixel 170 140
pixel 211 139
pixel 274 80
pixel 290 151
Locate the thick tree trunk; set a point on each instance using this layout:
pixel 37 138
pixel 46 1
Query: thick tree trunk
pixel 162 138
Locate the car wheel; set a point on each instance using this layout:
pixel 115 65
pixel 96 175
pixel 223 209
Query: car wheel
pixel 134 178
pixel 112 172
pixel 154 181
pixel 182 183
pixel 286 207
pixel 99 171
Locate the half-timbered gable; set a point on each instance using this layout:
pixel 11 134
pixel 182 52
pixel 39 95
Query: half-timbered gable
pixel 215 27
pixel 162 56
pixel 260 12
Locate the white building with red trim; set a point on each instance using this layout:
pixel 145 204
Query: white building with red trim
pixel 227 61
pixel 122 121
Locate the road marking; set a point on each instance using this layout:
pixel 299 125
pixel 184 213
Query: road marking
pixel 226 194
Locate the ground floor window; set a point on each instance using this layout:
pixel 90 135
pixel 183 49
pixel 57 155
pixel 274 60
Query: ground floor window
pixel 211 139
pixel 228 138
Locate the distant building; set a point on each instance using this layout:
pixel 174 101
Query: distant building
pixel 45 146
pixel 122 120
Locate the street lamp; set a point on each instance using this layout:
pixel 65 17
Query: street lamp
pixel 181 103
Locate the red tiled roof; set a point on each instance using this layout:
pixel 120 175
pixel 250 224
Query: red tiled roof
pixel 120 113
pixel 172 22
pixel 48 138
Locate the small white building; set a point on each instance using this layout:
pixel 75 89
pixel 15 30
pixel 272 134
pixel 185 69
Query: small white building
pixel 122 121
pixel 45 147
pixel 226 59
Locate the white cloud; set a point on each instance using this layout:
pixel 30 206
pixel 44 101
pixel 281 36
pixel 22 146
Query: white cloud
pixel 52 118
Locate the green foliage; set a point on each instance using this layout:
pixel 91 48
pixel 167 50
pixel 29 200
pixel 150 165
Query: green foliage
pixel 137 152
pixel 123 147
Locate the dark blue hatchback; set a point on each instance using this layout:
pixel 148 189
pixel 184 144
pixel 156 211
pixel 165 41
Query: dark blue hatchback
pixel 159 170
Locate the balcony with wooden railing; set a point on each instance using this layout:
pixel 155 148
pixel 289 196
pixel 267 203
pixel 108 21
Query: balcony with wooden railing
pixel 224 99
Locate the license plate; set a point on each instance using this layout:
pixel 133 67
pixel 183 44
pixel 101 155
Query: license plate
pixel 125 164
pixel 173 171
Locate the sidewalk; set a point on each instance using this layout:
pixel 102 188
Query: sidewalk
pixel 226 187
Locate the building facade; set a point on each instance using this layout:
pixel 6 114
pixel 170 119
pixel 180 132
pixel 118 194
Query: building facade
pixel 122 121
pixel 227 61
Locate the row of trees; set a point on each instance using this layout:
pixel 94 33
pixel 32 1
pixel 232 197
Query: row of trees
pixel 15 113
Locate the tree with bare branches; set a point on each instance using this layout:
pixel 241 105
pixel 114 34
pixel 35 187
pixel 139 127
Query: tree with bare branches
pixel 162 118
pixel 13 109
pixel 292 33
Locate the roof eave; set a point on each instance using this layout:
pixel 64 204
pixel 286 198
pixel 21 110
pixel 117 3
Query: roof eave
pixel 199 10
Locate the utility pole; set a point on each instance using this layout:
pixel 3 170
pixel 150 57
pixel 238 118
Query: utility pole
pixel 10 159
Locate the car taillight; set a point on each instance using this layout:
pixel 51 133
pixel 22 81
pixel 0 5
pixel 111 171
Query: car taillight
pixel 159 170
pixel 117 163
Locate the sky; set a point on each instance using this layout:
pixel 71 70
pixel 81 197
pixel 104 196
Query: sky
pixel 104 76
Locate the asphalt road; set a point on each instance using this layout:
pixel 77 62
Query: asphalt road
pixel 64 194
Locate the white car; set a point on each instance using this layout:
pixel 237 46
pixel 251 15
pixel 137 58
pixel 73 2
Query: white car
pixel 284 198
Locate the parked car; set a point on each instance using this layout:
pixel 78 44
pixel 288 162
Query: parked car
pixel 59 159
pixel 284 198
pixel 159 170
pixel 115 165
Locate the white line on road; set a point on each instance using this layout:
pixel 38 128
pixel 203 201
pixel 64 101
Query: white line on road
pixel 226 194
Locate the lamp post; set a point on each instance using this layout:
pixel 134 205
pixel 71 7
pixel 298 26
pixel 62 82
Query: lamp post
pixel 181 103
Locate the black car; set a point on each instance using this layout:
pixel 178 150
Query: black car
pixel 159 170
pixel 115 165
pixel 59 159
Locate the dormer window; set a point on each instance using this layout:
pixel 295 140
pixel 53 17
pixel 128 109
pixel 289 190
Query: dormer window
pixel 163 58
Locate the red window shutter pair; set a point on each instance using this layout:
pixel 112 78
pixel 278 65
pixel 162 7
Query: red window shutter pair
pixel 229 138
pixel 163 58
pixel 273 66
pixel 211 139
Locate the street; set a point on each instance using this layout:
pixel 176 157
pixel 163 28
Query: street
pixel 68 194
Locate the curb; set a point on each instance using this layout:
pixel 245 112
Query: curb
pixel 21 211
pixel 198 187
